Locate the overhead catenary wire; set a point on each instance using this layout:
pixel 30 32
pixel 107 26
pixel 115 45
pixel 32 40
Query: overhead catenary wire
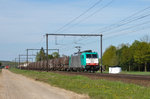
pixel 123 31
pixel 74 19
pixel 86 17
pixel 116 34
pixel 141 17
pixel 106 5
pixel 92 14
pixel 125 21
pixel 129 18
pixel 137 25
pixel 119 33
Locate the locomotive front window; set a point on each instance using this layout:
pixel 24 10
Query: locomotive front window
pixel 88 56
pixel 94 55
pixel 91 55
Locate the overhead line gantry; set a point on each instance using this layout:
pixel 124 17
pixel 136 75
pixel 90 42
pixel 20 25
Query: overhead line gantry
pixel 52 34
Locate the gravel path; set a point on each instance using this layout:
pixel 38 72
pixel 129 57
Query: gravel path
pixel 14 86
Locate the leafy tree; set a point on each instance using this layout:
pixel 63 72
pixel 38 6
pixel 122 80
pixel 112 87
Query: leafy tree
pixel 55 54
pixel 132 50
pixel 50 56
pixel 125 57
pixel 141 55
pixel 0 64
pixel 41 55
pixel 110 57
pixel 134 57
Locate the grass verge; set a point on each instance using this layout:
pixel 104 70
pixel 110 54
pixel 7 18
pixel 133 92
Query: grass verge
pixel 135 73
pixel 130 72
pixel 96 89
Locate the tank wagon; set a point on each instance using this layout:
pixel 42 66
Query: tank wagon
pixel 83 61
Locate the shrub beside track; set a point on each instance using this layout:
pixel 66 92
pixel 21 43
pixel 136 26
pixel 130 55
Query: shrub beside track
pixel 96 89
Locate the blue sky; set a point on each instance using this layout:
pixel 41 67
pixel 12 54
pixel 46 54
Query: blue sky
pixel 24 22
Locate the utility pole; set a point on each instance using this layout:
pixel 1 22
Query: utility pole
pixel 27 58
pixel 47 52
pixel 101 55
pixel 15 63
pixel 51 34
pixel 19 61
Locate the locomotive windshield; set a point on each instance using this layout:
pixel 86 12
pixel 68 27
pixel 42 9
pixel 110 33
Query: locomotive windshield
pixel 91 55
pixel 94 55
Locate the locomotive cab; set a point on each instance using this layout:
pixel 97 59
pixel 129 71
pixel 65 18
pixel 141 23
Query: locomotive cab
pixel 90 61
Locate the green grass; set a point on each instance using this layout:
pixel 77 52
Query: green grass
pixel 130 72
pixel 135 73
pixel 105 72
pixel 96 89
pixel 0 70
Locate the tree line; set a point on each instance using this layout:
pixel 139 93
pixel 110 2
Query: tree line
pixel 41 55
pixel 134 57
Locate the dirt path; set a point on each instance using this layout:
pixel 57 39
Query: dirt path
pixel 14 86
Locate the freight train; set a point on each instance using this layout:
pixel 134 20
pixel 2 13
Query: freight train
pixel 82 61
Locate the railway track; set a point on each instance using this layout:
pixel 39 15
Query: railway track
pixel 143 80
